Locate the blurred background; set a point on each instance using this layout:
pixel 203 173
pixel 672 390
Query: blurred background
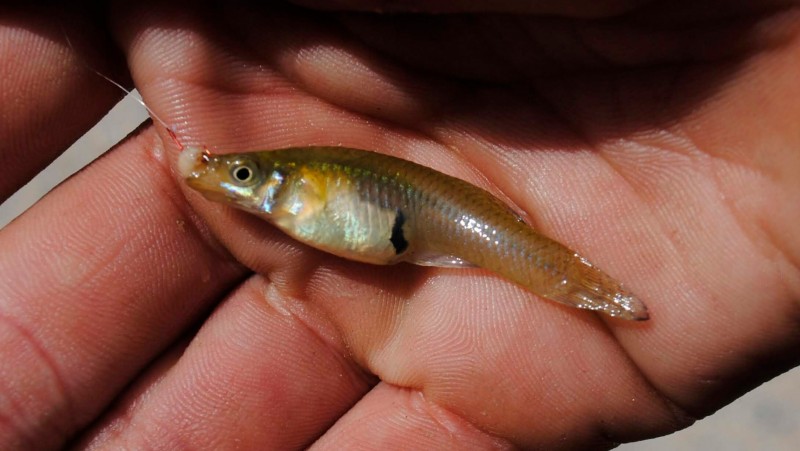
pixel 767 418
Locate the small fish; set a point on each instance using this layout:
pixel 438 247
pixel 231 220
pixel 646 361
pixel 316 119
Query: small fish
pixel 378 209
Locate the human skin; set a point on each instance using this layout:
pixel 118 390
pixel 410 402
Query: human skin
pixel 658 139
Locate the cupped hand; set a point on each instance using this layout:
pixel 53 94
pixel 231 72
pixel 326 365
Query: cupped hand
pixel 658 140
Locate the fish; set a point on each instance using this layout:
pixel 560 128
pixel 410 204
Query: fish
pixel 374 208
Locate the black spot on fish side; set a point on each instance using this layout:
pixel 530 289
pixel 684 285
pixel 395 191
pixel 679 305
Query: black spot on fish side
pixel 398 240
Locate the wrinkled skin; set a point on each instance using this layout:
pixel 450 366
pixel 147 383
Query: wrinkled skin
pixel 658 139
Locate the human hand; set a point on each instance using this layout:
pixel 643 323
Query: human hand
pixel 659 144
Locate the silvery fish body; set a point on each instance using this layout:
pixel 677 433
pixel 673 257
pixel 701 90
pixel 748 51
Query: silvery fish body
pixel 379 209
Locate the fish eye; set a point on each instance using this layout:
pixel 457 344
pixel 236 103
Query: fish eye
pixel 243 172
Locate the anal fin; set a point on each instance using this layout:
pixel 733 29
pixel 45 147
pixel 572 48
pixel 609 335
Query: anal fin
pixel 440 260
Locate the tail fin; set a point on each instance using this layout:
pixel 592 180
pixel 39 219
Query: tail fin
pixel 591 289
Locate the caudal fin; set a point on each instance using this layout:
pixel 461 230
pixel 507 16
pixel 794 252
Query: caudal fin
pixel 591 289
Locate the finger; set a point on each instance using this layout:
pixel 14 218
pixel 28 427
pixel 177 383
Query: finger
pixel 524 49
pixel 578 8
pixel 391 417
pixel 255 376
pixel 382 56
pixel 48 97
pixel 95 281
pixel 189 95
pixel 112 424
pixel 491 354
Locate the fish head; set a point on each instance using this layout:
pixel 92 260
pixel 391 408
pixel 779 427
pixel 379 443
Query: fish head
pixel 241 180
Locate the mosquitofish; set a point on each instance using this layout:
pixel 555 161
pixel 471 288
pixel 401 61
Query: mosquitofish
pixel 374 208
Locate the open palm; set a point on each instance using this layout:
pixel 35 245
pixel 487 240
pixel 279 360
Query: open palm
pixel 659 141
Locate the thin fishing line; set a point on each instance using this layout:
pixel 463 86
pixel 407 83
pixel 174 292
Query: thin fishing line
pixel 122 88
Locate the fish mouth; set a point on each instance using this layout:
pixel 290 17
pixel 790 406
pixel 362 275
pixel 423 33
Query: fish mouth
pixel 192 162
pixel 198 169
pixel 193 167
